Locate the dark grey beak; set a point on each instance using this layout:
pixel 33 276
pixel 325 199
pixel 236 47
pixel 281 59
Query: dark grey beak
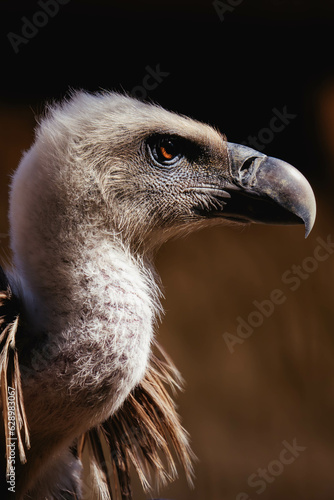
pixel 267 190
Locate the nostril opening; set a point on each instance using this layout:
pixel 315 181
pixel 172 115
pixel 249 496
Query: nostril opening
pixel 247 163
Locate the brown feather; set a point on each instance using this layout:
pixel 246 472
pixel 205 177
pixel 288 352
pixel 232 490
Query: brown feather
pixel 141 432
pixel 10 376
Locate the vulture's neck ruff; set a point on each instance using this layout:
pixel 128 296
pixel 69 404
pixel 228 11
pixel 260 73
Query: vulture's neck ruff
pixel 107 181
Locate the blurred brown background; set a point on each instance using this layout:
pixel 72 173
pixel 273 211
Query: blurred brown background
pixel 278 385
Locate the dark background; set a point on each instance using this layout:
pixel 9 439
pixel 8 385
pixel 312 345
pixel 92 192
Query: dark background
pixel 232 73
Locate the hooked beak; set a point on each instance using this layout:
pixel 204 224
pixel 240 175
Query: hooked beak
pixel 267 190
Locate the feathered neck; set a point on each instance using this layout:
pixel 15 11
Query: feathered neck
pixel 81 285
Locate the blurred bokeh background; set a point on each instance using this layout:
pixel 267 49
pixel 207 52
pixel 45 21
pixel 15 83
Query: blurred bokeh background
pixel 233 64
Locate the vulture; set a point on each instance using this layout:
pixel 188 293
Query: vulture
pixel 107 181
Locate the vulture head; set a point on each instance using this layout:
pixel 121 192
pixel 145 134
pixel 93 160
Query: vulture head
pixel 140 172
pixel 106 182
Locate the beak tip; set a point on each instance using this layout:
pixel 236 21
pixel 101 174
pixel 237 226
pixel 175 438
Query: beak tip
pixel 310 218
pixel 293 191
pixel 307 208
pixel 286 195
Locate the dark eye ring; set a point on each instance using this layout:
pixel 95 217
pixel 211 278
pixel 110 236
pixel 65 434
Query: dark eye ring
pixel 165 150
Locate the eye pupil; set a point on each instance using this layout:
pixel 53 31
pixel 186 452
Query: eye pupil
pixel 165 151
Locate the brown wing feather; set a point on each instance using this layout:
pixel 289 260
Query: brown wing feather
pixel 142 431
pixel 15 420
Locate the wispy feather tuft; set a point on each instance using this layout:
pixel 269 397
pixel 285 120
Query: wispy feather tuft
pixel 10 376
pixel 141 434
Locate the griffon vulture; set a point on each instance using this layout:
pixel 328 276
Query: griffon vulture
pixel 106 182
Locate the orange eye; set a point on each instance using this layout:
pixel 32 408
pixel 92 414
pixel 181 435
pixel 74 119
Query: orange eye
pixel 165 150
pixel 165 154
